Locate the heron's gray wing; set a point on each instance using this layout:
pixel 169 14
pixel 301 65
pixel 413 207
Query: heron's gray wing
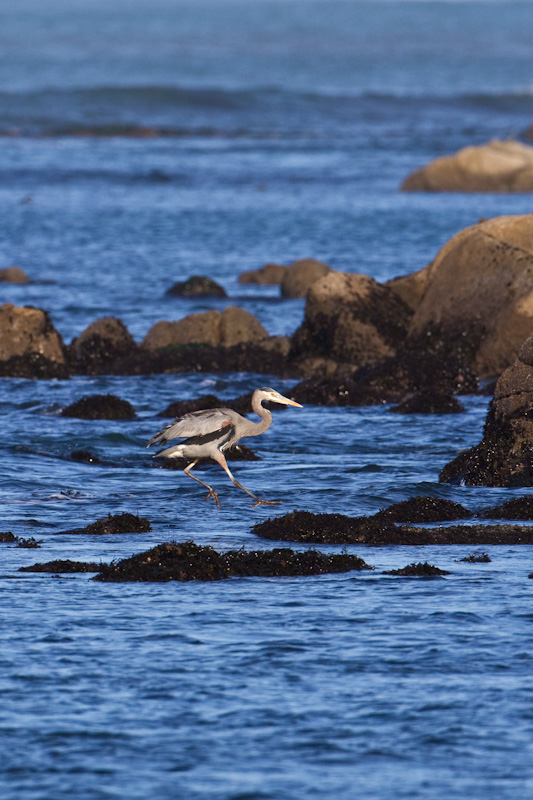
pixel 197 423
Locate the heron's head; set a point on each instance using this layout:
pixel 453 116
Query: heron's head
pixel 276 397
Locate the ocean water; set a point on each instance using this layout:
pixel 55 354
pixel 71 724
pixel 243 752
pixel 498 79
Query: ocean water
pixel 144 142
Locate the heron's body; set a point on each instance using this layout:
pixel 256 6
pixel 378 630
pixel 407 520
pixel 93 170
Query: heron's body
pixel 209 433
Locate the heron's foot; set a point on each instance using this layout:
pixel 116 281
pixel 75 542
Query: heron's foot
pixel 214 495
pixel 261 502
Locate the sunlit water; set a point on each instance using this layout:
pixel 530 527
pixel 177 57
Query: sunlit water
pixel 283 131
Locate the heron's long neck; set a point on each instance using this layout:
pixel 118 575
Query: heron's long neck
pixel 264 413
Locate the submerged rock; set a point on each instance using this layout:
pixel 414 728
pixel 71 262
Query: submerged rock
pixel 188 561
pixel 100 406
pixel 504 457
pixel 424 570
pixel 493 167
pixel 115 523
pixel 429 403
pixel 197 286
pixel 63 566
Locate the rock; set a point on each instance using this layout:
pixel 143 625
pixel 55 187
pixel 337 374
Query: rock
pixel 30 346
pixel 423 509
pixel 63 566
pixel 423 570
pixel 515 508
pixel 13 274
pixel 84 457
pixel 100 406
pixel 7 536
pixel 113 524
pixel 410 288
pixel 100 345
pixel 187 561
pixel 303 526
pixel 504 457
pixel 427 402
pixel 268 275
pixel 300 275
pixel 350 319
pixel 197 286
pixel 479 295
pixel 493 167
pixel 476 558
pixel 229 327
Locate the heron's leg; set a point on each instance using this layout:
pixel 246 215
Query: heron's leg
pixel 211 492
pixel 259 500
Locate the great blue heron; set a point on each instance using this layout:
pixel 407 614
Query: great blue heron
pixel 208 433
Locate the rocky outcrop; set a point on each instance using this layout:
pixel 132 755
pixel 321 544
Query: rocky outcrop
pixel 100 345
pixel 349 320
pixel 478 298
pixel 197 286
pixel 30 346
pixel 269 275
pixel 13 274
pixel 301 275
pixel 100 406
pixel 493 167
pixel 504 457
pixel 229 327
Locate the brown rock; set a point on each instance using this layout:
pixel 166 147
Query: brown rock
pixel 268 275
pixel 300 275
pixel 197 286
pixel 103 341
pixel 493 167
pixel 350 319
pixel 13 274
pixel 26 331
pixel 479 293
pixel 232 326
pixel 411 287
pixel 504 457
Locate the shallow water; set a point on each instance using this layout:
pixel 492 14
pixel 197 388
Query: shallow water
pixel 280 131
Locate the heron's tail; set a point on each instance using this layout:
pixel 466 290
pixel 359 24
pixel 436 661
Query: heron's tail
pixel 170 452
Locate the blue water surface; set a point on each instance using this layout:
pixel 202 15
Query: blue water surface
pixel 144 142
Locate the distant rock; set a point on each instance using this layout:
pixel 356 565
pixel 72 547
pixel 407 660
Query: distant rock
pixel 300 275
pixel 427 402
pixel 197 286
pixel 351 320
pixel 229 327
pixel 478 296
pixel 30 346
pixel 504 457
pixel 493 167
pixel 97 348
pixel 13 274
pixel 100 406
pixel 114 524
pixel 268 275
pixel 422 570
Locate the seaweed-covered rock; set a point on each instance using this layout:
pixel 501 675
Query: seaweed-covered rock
pixel 423 509
pixel 350 319
pixel 115 523
pixel 303 526
pixel 504 457
pixel 429 402
pixel 423 570
pixel 476 558
pixel 187 561
pixel 197 286
pixel 63 566
pixel 497 166
pixel 30 346
pixel 104 342
pixel 100 406
pixel 84 457
pixel 215 328
pixel 515 508
pixel 7 536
